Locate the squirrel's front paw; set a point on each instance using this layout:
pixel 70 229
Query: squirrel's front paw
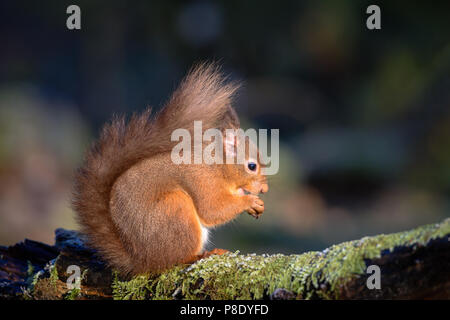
pixel 256 206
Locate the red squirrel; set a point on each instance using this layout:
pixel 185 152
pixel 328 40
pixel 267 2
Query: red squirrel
pixel 144 213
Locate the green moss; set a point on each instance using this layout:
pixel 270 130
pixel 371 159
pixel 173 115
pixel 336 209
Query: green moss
pixel 35 278
pixel 30 269
pixel 53 275
pixel 32 277
pixel 312 274
pixel 72 294
pixel 76 292
pixel 136 289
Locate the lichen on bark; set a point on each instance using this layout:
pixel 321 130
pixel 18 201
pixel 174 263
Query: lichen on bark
pixel 323 274
pixel 414 264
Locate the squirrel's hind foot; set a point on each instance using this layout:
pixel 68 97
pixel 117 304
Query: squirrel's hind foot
pixel 212 252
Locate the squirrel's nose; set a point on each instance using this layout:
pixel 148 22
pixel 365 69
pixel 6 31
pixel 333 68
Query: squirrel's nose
pixel 264 188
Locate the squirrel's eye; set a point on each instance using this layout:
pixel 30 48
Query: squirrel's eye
pixel 251 166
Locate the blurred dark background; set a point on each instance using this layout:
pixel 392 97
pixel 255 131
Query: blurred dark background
pixel 364 116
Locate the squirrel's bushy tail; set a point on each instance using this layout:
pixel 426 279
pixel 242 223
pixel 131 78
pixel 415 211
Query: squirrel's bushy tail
pixel 203 95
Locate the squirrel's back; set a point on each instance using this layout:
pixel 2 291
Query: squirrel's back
pixel 203 95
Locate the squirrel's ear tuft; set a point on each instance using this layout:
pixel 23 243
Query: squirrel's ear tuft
pixel 231 119
pixel 230 143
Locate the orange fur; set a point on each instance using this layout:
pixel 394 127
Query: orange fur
pixel 140 210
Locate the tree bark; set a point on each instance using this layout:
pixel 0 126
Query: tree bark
pixel 413 264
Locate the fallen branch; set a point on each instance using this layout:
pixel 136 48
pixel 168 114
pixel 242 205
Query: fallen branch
pixel 413 265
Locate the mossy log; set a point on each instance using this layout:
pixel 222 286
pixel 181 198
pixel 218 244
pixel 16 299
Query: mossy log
pixel 413 264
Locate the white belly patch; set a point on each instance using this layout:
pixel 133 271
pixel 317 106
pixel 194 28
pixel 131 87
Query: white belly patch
pixel 205 235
